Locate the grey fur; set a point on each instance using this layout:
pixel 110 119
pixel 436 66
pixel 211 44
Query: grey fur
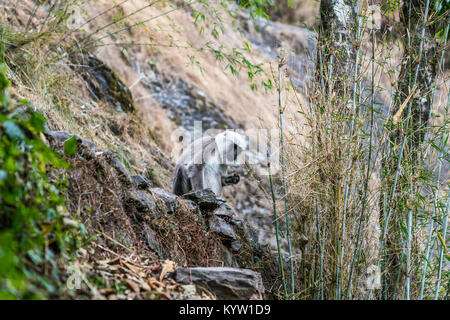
pixel 197 170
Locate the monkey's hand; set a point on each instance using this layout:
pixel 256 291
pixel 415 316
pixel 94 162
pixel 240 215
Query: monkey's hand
pixel 234 179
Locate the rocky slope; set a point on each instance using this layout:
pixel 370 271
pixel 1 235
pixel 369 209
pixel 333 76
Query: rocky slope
pixel 143 226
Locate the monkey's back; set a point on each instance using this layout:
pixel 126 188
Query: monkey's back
pixel 188 171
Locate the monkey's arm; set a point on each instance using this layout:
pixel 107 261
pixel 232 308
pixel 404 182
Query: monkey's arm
pixel 233 179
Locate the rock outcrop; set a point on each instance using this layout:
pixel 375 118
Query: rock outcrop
pixel 225 283
pixel 206 199
pixel 103 83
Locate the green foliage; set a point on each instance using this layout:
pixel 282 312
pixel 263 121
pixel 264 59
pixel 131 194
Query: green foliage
pixel 31 226
pixel 441 6
pixel 71 146
pixel 256 7
pixel 4 83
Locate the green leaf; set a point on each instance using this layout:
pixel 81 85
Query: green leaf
pixel 71 146
pixel 196 17
pixel 247 47
pixel 37 122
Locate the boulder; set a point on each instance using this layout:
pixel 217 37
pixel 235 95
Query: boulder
pixel 222 228
pixel 169 199
pixel 140 201
pixel 151 240
pixel 225 283
pixel 224 211
pixel 140 181
pixel 206 199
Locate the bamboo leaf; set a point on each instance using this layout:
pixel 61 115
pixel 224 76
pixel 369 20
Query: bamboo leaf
pixel 442 240
pixel 398 114
pixel 71 146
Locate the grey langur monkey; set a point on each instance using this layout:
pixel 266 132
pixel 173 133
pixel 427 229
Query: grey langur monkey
pixel 204 163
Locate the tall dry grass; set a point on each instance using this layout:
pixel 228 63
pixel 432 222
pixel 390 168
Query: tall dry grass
pixel 367 201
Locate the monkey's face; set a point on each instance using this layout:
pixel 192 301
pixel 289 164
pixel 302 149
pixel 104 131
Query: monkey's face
pixel 232 154
pixel 231 147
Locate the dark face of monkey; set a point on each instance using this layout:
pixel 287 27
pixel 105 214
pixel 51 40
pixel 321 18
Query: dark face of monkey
pixel 232 155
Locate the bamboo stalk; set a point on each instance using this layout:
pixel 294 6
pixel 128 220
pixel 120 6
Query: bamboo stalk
pixel 369 163
pixel 441 251
pixel 427 256
pixel 408 254
pixel 349 160
pixel 441 61
pixel 319 239
pixel 277 230
pixel 402 147
pixel 387 154
pixel 435 204
pixel 428 247
pixel 283 169
pixel 399 269
pixel 312 274
pixel 445 216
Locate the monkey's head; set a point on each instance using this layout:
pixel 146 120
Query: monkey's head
pixel 231 147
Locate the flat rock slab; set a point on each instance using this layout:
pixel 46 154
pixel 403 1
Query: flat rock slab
pixel 62 136
pixel 206 199
pixel 225 283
